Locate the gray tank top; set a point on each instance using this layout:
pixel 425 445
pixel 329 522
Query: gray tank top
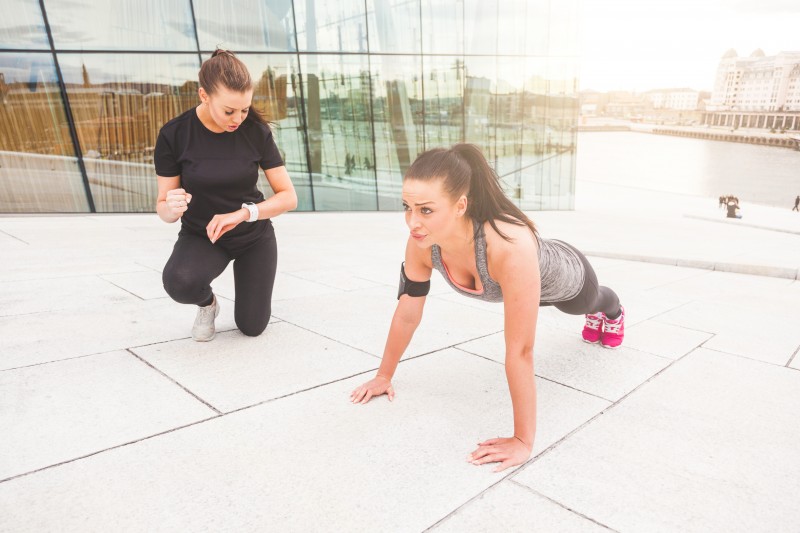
pixel 561 270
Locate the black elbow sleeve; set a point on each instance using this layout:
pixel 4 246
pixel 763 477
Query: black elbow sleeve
pixel 412 288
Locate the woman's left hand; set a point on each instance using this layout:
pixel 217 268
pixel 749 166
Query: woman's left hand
pixel 222 224
pixel 506 451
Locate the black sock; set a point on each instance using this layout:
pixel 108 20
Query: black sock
pixel 209 302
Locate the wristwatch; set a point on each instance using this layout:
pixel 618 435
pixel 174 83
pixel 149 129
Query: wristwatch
pixel 253 208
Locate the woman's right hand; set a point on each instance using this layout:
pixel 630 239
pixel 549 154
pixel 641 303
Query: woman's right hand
pixel 178 202
pixel 374 387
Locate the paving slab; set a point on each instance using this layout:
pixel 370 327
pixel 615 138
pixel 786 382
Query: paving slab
pixel 710 445
pixel 232 372
pixel 307 462
pixel 513 508
pixel 771 338
pixel 566 359
pixel 64 410
pixel 665 340
pixel 37 296
pixel 361 319
pixel 146 285
pixel 41 337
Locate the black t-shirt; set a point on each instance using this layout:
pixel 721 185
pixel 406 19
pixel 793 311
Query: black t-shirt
pixel 219 170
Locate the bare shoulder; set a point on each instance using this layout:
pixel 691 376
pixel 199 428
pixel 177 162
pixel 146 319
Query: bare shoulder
pixel 520 239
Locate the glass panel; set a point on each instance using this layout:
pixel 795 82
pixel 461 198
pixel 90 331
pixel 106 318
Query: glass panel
pixel 443 27
pixel 537 27
pixel 25 29
pixel 513 26
pixel 141 25
pixel 277 95
pixel 480 23
pixel 563 28
pixel 325 26
pixel 254 25
pixel 394 26
pixel 443 84
pixel 508 121
pixel 120 102
pixel 398 116
pixel 548 177
pixel 38 168
pixel 338 95
pixel 479 104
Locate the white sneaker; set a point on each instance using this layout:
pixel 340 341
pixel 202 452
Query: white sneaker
pixel 203 329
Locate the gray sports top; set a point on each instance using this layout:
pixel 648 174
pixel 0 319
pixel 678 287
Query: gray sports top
pixel 561 270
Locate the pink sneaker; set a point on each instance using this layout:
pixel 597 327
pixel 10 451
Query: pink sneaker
pixel 593 329
pixel 614 330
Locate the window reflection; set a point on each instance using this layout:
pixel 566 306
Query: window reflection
pixel 325 26
pixel 38 168
pixel 119 103
pixel 394 26
pixel 443 82
pixel 442 27
pixel 340 140
pixel 277 96
pixel 392 78
pixel 25 29
pixel 398 112
pixel 252 25
pixel 140 25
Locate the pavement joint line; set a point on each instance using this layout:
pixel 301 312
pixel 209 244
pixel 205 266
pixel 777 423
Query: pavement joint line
pixel 326 337
pixel 571 510
pixel 70 358
pixel 121 288
pixel 694 275
pixel 789 362
pixel 540 376
pixel 176 382
pixel 746 357
pixel 145 266
pixel 742 224
pixel 714 266
pixel 14 237
pixel 74 459
pixel 553 446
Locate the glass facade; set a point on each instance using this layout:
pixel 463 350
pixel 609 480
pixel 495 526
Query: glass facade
pixel 354 89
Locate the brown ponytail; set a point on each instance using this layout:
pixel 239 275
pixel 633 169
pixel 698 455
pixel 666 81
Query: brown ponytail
pixel 226 70
pixel 464 170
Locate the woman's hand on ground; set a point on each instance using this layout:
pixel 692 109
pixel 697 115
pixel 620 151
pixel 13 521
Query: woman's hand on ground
pixel 506 451
pixel 178 202
pixel 374 387
pixel 222 224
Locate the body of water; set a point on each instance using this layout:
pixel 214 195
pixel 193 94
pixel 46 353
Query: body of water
pixel 758 174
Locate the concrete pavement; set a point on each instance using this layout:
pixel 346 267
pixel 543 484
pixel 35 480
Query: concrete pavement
pixel 114 419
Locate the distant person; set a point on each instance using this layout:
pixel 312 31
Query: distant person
pixel 796 204
pixel 463 225
pixel 208 162
pixel 733 209
pixel 722 202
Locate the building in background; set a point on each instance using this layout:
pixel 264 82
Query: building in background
pixel 757 91
pixel 355 89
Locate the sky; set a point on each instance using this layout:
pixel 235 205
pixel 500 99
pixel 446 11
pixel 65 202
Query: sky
pixel 638 45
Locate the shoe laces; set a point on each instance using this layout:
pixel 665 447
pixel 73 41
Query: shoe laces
pixel 615 326
pixel 207 312
pixel 593 321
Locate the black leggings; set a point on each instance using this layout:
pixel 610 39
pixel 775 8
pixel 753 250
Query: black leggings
pixel 592 298
pixel 195 262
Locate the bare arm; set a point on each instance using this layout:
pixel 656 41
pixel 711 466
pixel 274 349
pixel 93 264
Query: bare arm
pixel 515 266
pixel 407 316
pixel 284 199
pixel 170 204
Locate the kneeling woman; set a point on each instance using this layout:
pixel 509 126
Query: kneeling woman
pixel 485 247
pixel 208 161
